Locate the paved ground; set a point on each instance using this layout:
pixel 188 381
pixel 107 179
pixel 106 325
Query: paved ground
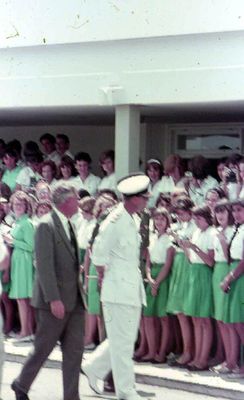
pixel 48 386
pixel 206 383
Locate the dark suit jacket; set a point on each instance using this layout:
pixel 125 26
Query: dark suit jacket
pixel 57 269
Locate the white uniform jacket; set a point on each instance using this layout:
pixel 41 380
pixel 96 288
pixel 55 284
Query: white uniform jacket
pixel 117 247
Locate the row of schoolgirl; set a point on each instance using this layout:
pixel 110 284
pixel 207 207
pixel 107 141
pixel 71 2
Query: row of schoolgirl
pixel 191 275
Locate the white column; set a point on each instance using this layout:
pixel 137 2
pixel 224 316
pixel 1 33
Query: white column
pixel 127 139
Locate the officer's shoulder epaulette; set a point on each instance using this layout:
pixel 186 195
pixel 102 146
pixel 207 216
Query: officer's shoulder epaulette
pixel 113 216
pixel 115 213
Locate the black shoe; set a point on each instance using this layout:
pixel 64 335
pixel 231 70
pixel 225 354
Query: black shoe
pixel 108 388
pixel 108 383
pixel 19 394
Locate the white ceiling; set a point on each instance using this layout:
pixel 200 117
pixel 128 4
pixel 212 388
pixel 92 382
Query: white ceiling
pixel 175 113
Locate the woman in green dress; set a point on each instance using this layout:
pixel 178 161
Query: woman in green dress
pixel 94 324
pixel 21 238
pixel 199 301
pixel 6 302
pixel 159 262
pixel 233 283
pixel 224 233
pixel 179 281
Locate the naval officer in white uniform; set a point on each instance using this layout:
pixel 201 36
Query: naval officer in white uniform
pixel 116 254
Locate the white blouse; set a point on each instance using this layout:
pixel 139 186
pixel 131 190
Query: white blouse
pixel 218 250
pixel 27 178
pixel 198 194
pixel 108 182
pixel 185 231
pixel 203 240
pixel 236 247
pixel 158 247
pixel 168 185
pixel 85 233
pixel 90 183
pixel 154 190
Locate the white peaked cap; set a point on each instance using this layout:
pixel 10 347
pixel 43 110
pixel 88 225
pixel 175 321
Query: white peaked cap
pixel 134 184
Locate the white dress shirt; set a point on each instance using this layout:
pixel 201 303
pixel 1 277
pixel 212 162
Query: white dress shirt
pixel 108 182
pixel 26 176
pixel 90 183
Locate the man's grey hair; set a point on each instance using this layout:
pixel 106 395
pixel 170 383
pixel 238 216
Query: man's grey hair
pixel 61 192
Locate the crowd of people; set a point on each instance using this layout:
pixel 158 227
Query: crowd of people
pixel 192 243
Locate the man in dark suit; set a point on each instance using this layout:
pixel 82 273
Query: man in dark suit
pixel 58 296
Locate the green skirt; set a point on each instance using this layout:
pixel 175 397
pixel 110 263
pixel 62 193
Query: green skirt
pixel 22 274
pixel 199 299
pixel 220 299
pixel 179 284
pixel 236 298
pixel 156 306
pixel 94 306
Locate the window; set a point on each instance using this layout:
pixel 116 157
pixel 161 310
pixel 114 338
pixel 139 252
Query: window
pixel 212 141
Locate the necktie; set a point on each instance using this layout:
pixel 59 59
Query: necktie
pixel 231 240
pixel 73 240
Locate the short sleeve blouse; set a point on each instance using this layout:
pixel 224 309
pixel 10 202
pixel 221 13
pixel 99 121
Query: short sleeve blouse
pixel 236 248
pixel 218 250
pixel 203 240
pixel 158 247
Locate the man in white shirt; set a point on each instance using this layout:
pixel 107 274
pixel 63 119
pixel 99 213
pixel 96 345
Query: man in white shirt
pixel 85 180
pixel 48 142
pixel 116 254
pixel 62 145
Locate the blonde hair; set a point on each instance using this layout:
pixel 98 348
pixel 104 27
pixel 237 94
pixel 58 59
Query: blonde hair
pixel 22 196
pixel 162 212
pixel 87 203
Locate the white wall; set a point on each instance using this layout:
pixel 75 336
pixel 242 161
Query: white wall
pixel 42 22
pixel 186 69
pixel 180 52
pixel 157 144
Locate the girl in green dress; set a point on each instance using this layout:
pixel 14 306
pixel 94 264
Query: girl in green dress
pixel 223 235
pixel 86 205
pixel 158 265
pixel 233 284
pixel 6 302
pixel 179 281
pixel 94 320
pixel 199 300
pixel 21 238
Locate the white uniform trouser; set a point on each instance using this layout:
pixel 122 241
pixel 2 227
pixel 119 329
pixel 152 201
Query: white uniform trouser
pixel 122 323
